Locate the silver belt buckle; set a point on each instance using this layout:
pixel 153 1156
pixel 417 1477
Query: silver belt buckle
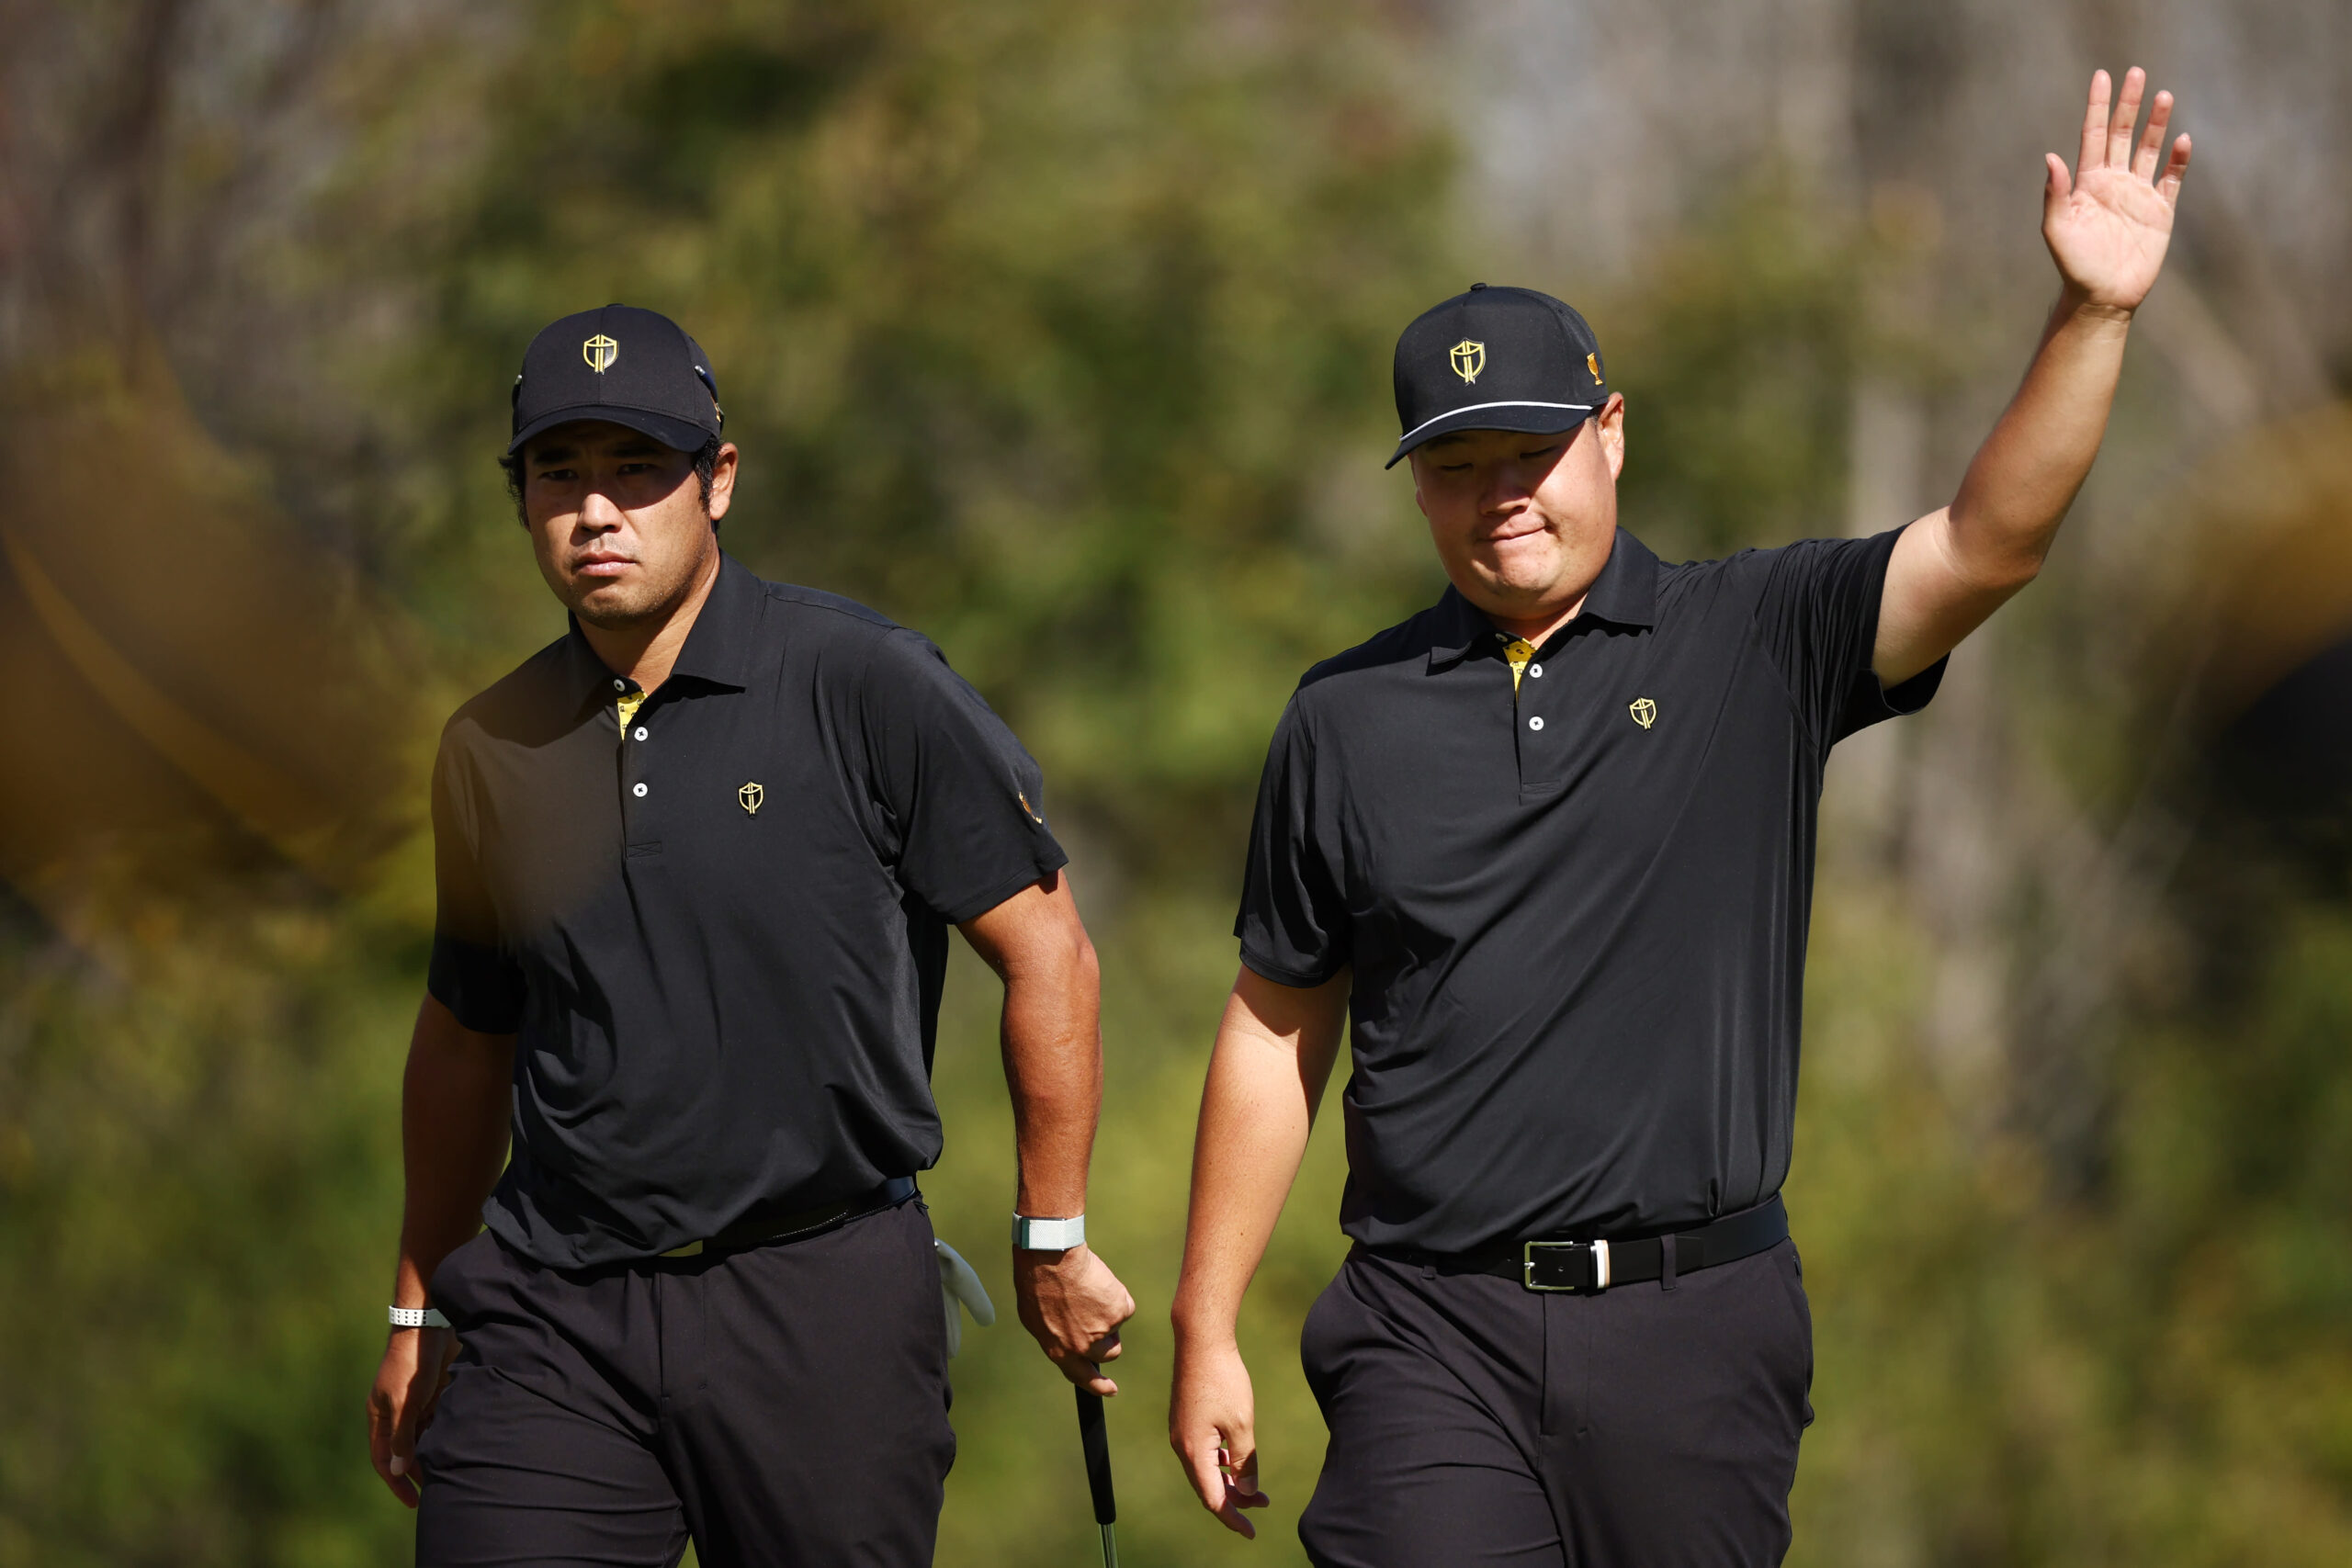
pixel 1596 1250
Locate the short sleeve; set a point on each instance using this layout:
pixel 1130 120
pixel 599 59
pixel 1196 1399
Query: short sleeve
pixel 472 973
pixel 1818 618
pixel 965 801
pixel 1292 925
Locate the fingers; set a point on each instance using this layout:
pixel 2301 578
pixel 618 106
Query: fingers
pixel 1224 1487
pixel 2126 115
pixel 1241 1473
pixel 391 1464
pixel 2093 152
pixel 2152 141
pixel 1237 1468
pixel 2175 169
pixel 2055 188
pixel 1082 1372
pixel 403 1463
pixel 1204 1468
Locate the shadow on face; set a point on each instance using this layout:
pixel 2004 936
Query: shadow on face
pixel 1523 522
pixel 618 520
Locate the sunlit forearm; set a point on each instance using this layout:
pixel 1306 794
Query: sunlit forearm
pixel 1954 566
pixel 1273 1055
pixel 1052 1038
pixel 1053 1065
pixel 2026 474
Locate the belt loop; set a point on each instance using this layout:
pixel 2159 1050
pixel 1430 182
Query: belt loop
pixel 1666 1262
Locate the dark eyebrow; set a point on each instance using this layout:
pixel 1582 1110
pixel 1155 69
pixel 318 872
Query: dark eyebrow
pixel 554 452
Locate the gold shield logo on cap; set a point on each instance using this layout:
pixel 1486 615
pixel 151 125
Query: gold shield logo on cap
pixel 1469 358
pixel 1645 711
pixel 600 352
pixel 751 794
pixel 1592 363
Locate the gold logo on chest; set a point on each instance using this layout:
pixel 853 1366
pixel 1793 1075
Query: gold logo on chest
pixel 751 794
pixel 1645 711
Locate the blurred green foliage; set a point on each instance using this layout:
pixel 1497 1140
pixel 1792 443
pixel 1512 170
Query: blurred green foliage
pixel 1061 332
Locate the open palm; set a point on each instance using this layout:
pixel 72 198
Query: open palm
pixel 2108 226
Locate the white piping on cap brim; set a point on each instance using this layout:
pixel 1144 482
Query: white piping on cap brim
pixel 1474 408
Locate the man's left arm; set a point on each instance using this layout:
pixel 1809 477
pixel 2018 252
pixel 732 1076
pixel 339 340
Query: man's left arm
pixel 1069 1301
pixel 2106 229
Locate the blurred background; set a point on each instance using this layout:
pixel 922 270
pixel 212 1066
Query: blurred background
pixel 1061 332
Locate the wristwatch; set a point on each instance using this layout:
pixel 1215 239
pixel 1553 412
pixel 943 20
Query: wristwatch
pixel 1048 1235
pixel 418 1317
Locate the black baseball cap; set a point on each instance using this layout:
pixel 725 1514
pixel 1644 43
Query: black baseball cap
pixel 1495 359
pixel 631 366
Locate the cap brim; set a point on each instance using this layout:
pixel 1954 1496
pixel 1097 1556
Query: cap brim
pixel 1535 419
pixel 683 435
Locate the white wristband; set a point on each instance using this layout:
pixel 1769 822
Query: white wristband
pixel 1048 1235
pixel 418 1317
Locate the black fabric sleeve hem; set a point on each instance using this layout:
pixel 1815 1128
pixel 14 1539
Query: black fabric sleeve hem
pixel 1282 975
pixel 1868 700
pixel 979 903
pixel 469 1018
pixel 487 1005
pixel 1872 701
pixel 1906 697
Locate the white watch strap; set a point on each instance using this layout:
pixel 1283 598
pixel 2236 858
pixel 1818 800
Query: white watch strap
pixel 1048 1235
pixel 418 1317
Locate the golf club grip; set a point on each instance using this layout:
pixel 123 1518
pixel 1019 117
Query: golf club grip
pixel 1097 1444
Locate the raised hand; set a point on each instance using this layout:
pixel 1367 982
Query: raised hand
pixel 2108 226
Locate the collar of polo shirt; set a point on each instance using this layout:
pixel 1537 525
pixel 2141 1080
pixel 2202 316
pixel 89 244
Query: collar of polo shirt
pixel 716 651
pixel 1624 594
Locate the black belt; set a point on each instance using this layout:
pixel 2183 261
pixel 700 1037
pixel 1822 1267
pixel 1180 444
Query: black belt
pixel 1588 1267
pixel 765 1225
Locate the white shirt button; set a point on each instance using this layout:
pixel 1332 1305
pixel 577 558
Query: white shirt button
pixel 640 732
pixel 1537 723
pixel 1536 670
pixel 640 790
pixel 620 685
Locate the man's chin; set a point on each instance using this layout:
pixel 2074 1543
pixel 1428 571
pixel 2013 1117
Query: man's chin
pixel 1520 581
pixel 613 606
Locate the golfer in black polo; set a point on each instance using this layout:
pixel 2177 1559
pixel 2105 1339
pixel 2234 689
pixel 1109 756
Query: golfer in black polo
pixel 697 859
pixel 1547 848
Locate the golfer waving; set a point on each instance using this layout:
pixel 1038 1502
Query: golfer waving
pixel 1547 848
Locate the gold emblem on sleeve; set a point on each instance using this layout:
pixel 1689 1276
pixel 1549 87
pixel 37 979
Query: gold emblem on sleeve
pixel 1645 711
pixel 751 794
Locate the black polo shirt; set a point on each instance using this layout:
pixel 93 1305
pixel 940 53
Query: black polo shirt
pixel 1576 912
pixel 720 936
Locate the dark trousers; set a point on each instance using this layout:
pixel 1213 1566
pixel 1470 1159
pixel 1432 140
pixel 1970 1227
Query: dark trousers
pixel 785 1405
pixel 1474 1421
